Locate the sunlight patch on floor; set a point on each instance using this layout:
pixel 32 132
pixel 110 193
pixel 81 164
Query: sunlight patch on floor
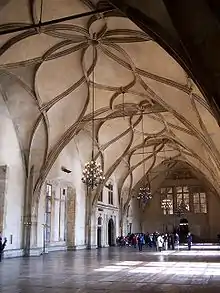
pixel 166 268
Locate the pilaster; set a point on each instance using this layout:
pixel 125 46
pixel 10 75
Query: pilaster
pixel 3 179
pixel 71 216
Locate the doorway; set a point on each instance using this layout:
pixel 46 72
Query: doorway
pixel 183 230
pixel 99 233
pixel 111 233
pixel 99 237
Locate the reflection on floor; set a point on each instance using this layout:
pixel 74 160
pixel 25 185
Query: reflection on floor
pixel 113 270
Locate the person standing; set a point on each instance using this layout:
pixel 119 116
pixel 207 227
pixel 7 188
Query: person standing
pixel 155 235
pixel 2 246
pixel 189 240
pixel 177 241
pixel 172 241
pixel 165 242
pixel 134 241
pixel 160 242
pixel 140 242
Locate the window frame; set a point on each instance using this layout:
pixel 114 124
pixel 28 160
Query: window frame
pixel 183 194
pixel 110 194
pixel 202 206
pixel 186 193
pixel 101 196
pixel 165 195
pixel 48 212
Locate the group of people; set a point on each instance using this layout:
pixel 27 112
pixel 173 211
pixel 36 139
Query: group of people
pixel 157 241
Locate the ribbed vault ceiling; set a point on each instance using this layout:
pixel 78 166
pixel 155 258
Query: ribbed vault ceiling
pixel 46 79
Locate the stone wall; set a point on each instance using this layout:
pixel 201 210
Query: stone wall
pixel 12 182
pixel 205 226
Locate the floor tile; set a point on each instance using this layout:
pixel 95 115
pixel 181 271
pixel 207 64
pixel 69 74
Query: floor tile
pixel 113 270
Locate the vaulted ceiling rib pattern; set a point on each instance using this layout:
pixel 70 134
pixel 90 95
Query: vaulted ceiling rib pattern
pixel 53 67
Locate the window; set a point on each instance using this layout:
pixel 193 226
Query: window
pixel 128 210
pixel 199 202
pixel 100 221
pixel 101 196
pixel 61 212
pixel 110 194
pixel 182 197
pixel 48 212
pixel 167 200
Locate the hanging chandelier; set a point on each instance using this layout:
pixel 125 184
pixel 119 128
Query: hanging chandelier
pixel 166 205
pixel 182 209
pixel 144 191
pixel 144 194
pixel 92 172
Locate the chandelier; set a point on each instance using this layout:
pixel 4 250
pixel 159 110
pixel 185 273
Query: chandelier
pixel 92 172
pixel 166 204
pixel 144 191
pixel 182 209
pixel 144 194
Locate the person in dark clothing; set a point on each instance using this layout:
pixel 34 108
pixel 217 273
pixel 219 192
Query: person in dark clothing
pixel 147 239
pixel 172 241
pixel 150 240
pixel 134 241
pixel 2 246
pixel 140 242
pixel 169 241
pixel 218 236
pixel 155 235
pixel 189 240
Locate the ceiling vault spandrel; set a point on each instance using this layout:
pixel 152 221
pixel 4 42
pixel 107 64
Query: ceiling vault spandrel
pixel 54 67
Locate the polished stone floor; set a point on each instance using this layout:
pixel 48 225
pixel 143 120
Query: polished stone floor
pixel 113 270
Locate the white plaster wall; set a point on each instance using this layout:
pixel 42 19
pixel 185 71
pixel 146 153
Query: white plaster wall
pixel 57 185
pixel 41 219
pixel 69 158
pixel 135 215
pixel 80 217
pixel 80 202
pixel 10 155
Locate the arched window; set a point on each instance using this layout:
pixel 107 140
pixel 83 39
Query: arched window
pixel 101 196
pixel 183 199
pixel 182 193
pixel 199 202
pixel 167 200
pixel 110 194
pixel 128 211
pixel 48 212
pixel 99 221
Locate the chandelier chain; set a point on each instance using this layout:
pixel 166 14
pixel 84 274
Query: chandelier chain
pixel 92 172
pixel 144 192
